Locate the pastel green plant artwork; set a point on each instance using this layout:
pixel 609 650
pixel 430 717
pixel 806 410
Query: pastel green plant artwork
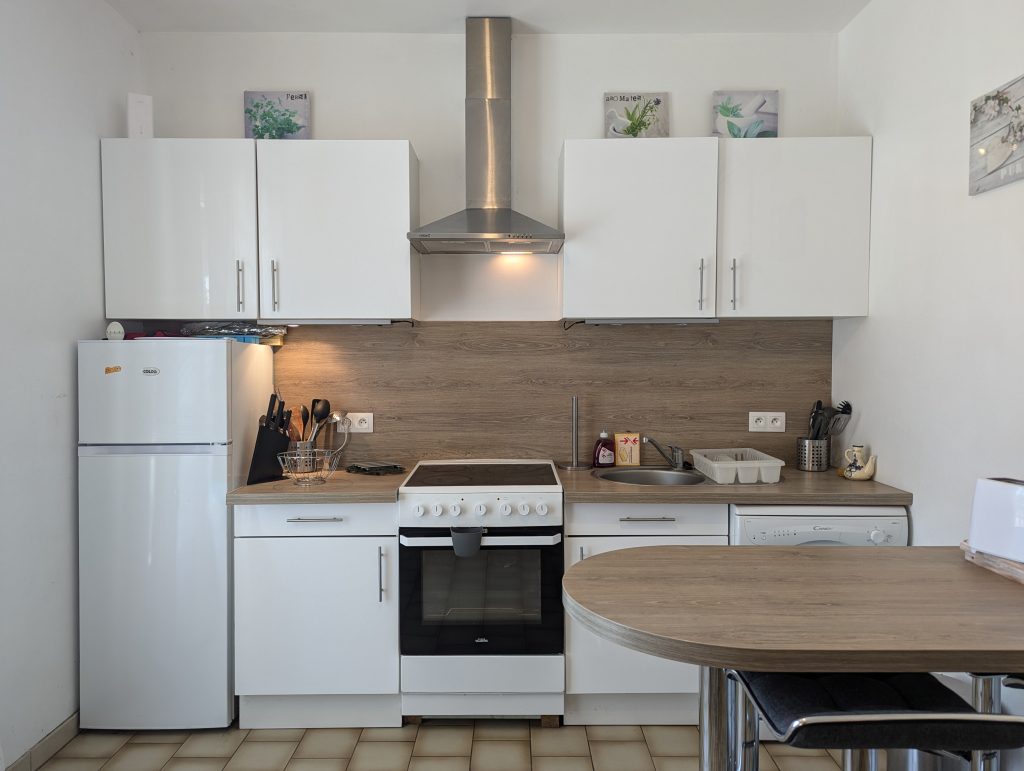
pixel 270 120
pixel 641 117
pixel 737 130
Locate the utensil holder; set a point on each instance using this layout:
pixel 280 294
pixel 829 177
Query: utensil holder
pixel 813 454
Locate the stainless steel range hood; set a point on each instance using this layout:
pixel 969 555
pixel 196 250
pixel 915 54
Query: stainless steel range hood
pixel 488 224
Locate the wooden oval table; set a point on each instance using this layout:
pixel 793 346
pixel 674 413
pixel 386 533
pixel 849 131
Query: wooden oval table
pixel 798 609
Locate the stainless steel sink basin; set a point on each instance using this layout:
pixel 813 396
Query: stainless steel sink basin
pixel 649 476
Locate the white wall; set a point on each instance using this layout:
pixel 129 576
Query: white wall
pixel 412 86
pixel 65 69
pixel 935 371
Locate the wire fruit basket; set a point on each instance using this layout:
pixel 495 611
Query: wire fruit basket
pixel 307 466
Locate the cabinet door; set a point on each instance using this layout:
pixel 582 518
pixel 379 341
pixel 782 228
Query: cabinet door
pixel 794 225
pixel 639 217
pixel 179 228
pixel 596 665
pixel 333 221
pixel 316 615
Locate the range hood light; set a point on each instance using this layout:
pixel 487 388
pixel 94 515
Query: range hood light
pixel 488 224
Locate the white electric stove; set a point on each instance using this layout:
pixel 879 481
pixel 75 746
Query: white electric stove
pixel 480 577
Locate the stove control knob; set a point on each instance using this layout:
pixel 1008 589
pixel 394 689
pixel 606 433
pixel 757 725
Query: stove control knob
pixel 455 509
pixel 479 509
pixel 505 509
pixel 542 509
pixel 876 536
pixel 524 508
pixel 418 510
pixel 437 509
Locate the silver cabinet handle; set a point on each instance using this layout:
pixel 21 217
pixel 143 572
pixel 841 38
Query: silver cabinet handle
pixel 275 294
pixel 315 519
pixel 240 284
pixel 380 574
pixel 647 519
pixel 700 297
pixel 581 554
pixel 733 269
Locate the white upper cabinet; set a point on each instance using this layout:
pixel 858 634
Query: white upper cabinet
pixel 179 228
pixel 333 221
pixel 794 225
pixel 640 228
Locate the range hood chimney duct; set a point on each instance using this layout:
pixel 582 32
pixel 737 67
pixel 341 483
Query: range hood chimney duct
pixel 488 224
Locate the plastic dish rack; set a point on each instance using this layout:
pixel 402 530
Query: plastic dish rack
pixel 741 464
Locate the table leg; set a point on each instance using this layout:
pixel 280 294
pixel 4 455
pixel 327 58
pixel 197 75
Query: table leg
pixel 743 728
pixel 987 700
pixel 714 720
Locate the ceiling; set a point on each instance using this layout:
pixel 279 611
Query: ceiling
pixel 532 16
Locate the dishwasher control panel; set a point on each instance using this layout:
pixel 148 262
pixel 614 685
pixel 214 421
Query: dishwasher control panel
pixel 820 527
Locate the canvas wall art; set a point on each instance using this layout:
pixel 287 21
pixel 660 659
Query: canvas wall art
pixel 277 115
pixel 745 114
pixel 997 133
pixel 635 115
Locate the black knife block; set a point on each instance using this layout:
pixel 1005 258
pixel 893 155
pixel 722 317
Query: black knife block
pixel 265 466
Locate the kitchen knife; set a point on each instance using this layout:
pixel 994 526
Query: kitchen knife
pixel 279 420
pixel 266 419
pixel 287 422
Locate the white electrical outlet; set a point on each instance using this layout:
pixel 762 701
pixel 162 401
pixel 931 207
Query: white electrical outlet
pixel 362 423
pixel 767 421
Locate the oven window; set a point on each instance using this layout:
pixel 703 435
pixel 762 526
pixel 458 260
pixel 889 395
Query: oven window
pixel 506 599
pixel 497 586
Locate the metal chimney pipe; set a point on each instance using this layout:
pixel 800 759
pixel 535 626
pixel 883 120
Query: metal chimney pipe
pixel 488 113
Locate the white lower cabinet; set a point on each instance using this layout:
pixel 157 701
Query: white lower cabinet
pixel 316 615
pixel 605 682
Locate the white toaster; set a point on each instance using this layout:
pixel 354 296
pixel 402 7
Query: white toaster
pixel 997 518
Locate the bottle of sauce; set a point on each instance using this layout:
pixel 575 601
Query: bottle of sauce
pixel 604 451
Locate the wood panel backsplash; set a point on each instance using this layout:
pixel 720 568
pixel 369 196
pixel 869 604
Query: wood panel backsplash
pixel 501 390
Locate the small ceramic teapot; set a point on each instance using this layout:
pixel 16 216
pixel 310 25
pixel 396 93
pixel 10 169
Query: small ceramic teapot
pixel 857 467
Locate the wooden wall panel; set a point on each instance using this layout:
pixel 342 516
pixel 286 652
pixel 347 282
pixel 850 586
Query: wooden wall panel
pixel 502 390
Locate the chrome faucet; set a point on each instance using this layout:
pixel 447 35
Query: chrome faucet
pixel 675 460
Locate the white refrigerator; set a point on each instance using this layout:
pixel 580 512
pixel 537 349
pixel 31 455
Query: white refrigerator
pixel 166 427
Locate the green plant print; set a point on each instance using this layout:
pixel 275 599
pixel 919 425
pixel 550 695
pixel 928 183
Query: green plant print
pixel 270 120
pixel 727 109
pixel 641 117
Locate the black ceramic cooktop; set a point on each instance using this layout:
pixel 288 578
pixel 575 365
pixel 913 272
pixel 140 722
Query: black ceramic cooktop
pixel 483 475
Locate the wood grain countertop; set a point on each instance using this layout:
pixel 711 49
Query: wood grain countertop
pixel 796 487
pixel 775 609
pixel 342 487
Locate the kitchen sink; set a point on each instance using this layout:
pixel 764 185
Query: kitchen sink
pixel 650 476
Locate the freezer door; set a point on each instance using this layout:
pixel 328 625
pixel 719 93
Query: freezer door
pixel 154 391
pixel 154 577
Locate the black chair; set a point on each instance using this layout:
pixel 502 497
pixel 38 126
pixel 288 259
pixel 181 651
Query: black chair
pixel 853 711
pixel 1014 681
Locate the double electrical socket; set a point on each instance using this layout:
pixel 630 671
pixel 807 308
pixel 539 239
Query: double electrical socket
pixel 767 421
pixel 362 423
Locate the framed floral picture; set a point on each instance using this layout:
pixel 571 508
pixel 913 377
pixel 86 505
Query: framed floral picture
pixel 635 115
pixel 745 114
pixel 277 115
pixel 997 136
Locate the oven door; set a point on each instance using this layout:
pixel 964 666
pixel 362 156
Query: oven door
pixel 505 599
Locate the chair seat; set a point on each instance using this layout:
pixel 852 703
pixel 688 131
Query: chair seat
pixel 1014 681
pixel 867 711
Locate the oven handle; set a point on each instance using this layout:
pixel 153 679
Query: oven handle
pixel 488 540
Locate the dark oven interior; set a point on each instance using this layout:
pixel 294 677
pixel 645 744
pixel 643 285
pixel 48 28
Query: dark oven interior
pixel 506 599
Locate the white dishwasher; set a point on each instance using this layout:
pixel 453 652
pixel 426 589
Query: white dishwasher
pixel 818 525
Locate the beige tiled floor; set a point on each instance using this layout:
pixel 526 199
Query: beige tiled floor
pixel 437 745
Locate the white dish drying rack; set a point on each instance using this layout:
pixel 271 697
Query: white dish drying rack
pixel 738 464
